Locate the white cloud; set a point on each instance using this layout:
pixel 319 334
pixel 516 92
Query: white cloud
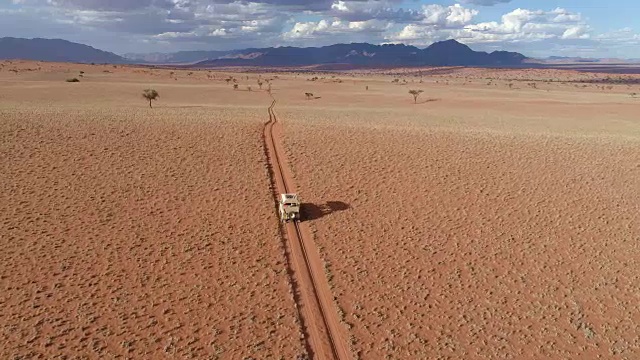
pixel 528 25
pixel 621 37
pixel 414 33
pixel 576 32
pixel 368 10
pixel 517 26
pixel 485 2
pixel 447 16
pixel 217 24
pixel 324 28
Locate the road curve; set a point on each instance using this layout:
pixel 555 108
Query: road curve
pixel 325 335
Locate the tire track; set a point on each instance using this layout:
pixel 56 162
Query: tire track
pixel 321 327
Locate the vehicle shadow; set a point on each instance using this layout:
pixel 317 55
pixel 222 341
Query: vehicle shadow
pixel 310 211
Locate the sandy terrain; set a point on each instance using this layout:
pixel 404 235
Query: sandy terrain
pixel 483 224
pixel 324 333
pixel 134 232
pixel 496 218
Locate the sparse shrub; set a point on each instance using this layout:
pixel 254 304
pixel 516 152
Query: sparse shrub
pixel 73 80
pixel 309 95
pixel 150 94
pixel 235 86
pixel 415 94
pixel 249 87
pixel 260 84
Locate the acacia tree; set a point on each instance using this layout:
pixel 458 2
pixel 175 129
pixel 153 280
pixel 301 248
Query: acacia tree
pixel 309 95
pixel 415 94
pixel 150 94
pixel 260 84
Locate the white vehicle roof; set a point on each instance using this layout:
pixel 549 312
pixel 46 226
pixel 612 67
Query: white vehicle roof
pixel 289 198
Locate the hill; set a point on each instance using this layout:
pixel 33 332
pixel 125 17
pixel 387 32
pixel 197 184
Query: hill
pixel 54 50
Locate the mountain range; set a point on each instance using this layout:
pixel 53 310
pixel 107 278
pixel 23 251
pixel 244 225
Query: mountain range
pixel 444 53
pixel 55 50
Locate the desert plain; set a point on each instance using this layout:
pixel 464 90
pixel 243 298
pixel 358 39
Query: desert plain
pixel 497 216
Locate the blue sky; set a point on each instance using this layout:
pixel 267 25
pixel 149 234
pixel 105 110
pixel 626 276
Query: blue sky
pixel 540 28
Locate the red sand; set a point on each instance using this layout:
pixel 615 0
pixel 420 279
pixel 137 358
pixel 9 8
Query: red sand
pixel 476 229
pixel 488 220
pixel 137 232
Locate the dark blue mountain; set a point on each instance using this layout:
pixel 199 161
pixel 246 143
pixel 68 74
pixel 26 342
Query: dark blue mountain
pixel 54 50
pixel 444 53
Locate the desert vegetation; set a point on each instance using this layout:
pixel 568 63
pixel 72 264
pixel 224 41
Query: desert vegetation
pixel 150 95
pixel 415 94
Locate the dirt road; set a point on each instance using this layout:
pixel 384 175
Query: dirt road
pixel 324 333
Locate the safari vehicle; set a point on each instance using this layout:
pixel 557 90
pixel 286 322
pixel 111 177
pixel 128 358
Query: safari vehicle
pixel 289 207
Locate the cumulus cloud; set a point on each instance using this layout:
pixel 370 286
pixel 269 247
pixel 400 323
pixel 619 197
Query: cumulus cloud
pixel 528 25
pixel 517 26
pixel 622 37
pixel 447 16
pixel 416 34
pixel 111 5
pixel 216 24
pixel 485 2
pixel 368 10
pixel 325 28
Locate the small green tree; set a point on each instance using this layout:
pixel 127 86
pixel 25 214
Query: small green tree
pixel 415 94
pixel 150 94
